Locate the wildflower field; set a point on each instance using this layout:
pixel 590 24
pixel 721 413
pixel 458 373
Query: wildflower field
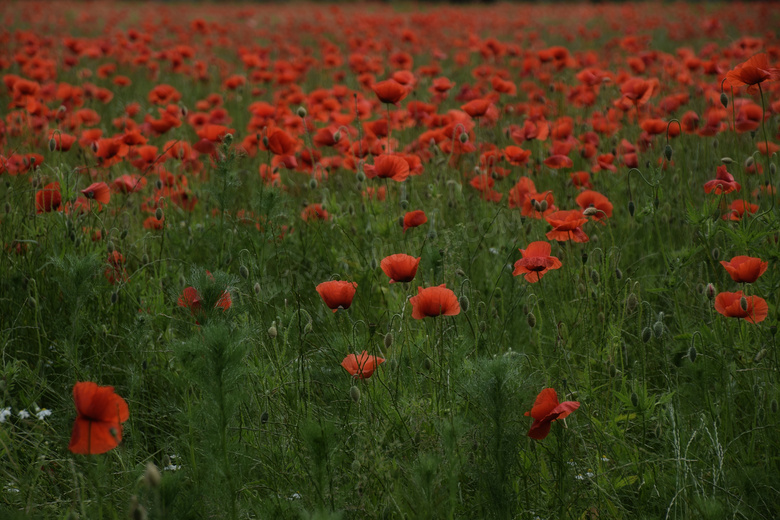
pixel 358 261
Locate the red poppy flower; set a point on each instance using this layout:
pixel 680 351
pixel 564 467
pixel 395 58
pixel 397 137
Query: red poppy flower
pixel 115 271
pixel 190 298
pixel 414 218
pixel 476 107
pixel 434 301
pixel 601 206
pixel 280 143
pixel 723 183
pixel 314 212
pixel 389 91
pixel 98 426
pixel 745 269
pixel 567 226
pixel 547 409
pixel 48 199
pixel 752 72
pixel 337 294
pixel 638 90
pixel 738 209
pixel 362 366
pixel 736 305
pixel 557 162
pixel 400 267
pixel 536 261
pixel 388 167
pixel 129 183
pixel 98 191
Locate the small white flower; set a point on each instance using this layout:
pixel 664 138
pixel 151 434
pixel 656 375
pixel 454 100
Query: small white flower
pixel 172 467
pixel 604 458
pixel 579 477
pixel 5 413
pixel 43 414
pixel 294 496
pixel 24 414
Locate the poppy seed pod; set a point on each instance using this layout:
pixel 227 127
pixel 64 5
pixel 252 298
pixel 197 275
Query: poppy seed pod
pixel 354 393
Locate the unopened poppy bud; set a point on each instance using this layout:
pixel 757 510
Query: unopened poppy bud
pixel 158 184
pixel 228 259
pixel 152 477
pixel 537 205
pixel 313 184
pixel 110 247
pixel 543 206
pixel 432 234
pixel 243 272
pixel 464 303
pixel 265 141
pixel 668 152
pixel 94 146
pixel 581 288
pixel 337 136
pixel 354 393
pixel 715 253
pixel 726 160
pixel 761 354
pixel 772 168
pixel 631 303
pixel 743 304
pixel 658 329
pixel 388 340
pixel 591 211
pixel 692 354
pixel 272 332
pixel 7 208
pixel 158 214
pixel 724 100
pixel 749 162
pixel 482 326
pixel 355 466
pixel 634 399
pixel 361 176
pixel 52 144
pixel 710 291
pixel 464 137
pixel 595 277
pixel 647 333
pixel 263 417
pixel 301 112
pixel 32 302
pixel 114 297
pixel 123 235
pixel 631 207
pixel 531 319
pixel 618 273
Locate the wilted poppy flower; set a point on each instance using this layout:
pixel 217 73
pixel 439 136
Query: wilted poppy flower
pixel 567 226
pixel 536 261
pixel 389 91
pixel 337 294
pixel 400 267
pixel 414 218
pixel 723 183
pixel 362 366
pixel 745 269
pixel 736 305
pixel 434 301
pixel 98 426
pixel 547 409
pixel 49 198
pixel 752 72
pixel 98 191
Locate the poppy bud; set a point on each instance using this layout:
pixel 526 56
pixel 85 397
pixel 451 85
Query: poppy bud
pixel 272 332
pixel 581 288
pixel 710 290
pixel 634 399
pixel 265 141
pixel 7 208
pixel 123 235
pixel 355 466
pixel 594 277
pixel 110 247
pixel 658 329
pixel 749 162
pixel 52 144
pixel 631 303
pixel 243 272
pixel 94 146
pixel 158 184
pixel 724 100
pixel 668 152
pixel 313 184
pixel 591 211
pixel 543 205
pixel 31 302
pixel 647 333
pixel 537 205
pixel 361 176
pixel 301 112
pixel 715 253
pixel 152 477
pixel 114 297
pixel 631 207
pixel 692 354
pixel 354 393
pixel 427 364
pixel 263 417
pixel 761 354
pixel 618 273
pixel 464 137
pixel 531 319
pixel 726 160
pixel 388 340
pixel 464 303
pixel 337 136
pixel 482 326
pixel 743 303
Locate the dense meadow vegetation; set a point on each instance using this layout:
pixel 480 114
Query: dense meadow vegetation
pixel 389 261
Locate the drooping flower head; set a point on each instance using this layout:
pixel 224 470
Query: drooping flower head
pixel 98 426
pixel 547 409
